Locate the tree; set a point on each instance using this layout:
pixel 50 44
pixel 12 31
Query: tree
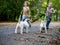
pixel 10 9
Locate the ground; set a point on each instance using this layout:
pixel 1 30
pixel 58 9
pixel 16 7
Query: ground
pixel 34 37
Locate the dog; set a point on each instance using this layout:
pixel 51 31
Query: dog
pixel 43 26
pixel 23 25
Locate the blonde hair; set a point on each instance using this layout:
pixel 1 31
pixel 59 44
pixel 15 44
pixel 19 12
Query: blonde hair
pixel 27 3
pixel 50 3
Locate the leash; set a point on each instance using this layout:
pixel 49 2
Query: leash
pixel 20 18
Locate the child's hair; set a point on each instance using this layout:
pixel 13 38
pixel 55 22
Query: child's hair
pixel 26 2
pixel 50 3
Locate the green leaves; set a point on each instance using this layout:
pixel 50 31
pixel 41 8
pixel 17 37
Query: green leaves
pixel 10 9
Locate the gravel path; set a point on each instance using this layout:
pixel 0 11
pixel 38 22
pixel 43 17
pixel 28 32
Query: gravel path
pixel 34 37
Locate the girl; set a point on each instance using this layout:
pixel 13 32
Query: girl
pixel 26 11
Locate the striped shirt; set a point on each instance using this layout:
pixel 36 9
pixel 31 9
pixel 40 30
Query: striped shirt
pixel 48 12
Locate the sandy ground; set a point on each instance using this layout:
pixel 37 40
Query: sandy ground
pixel 34 37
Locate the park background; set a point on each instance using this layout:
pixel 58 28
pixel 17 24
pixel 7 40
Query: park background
pixel 10 10
pixel 9 15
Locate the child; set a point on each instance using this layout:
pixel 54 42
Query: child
pixel 26 11
pixel 49 13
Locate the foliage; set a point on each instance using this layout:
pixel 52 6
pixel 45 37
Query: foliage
pixel 10 9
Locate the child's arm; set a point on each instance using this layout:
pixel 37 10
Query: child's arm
pixel 52 11
pixel 21 12
pixel 29 12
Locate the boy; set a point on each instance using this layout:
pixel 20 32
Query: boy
pixel 48 14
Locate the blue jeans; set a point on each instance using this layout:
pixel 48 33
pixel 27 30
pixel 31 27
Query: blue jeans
pixel 24 17
pixel 48 21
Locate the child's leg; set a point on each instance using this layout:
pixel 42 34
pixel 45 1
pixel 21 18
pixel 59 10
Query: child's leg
pixel 48 22
pixel 29 23
pixel 23 17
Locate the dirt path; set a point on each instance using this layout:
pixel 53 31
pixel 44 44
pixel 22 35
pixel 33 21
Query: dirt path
pixel 34 37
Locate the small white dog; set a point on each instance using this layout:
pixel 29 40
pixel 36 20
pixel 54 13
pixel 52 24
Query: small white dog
pixel 22 25
pixel 43 26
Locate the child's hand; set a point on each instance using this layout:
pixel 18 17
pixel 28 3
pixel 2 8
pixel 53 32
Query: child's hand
pixel 55 10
